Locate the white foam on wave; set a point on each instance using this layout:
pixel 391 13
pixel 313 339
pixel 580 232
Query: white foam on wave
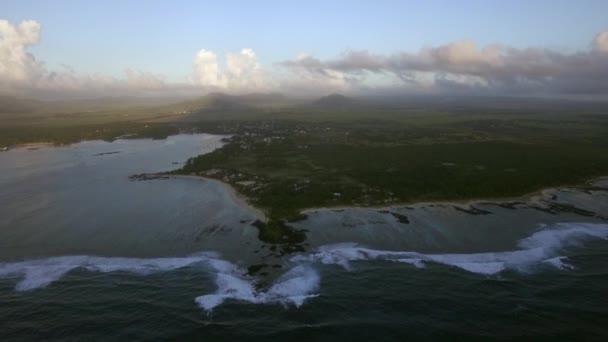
pixel 40 273
pixel 559 262
pixel 302 281
pixel 542 247
pixel 293 287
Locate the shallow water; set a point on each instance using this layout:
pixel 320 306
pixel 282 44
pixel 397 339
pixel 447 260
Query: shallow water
pixel 86 253
pixel 78 199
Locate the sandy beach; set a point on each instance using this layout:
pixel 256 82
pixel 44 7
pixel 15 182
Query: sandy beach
pixel 536 197
pixel 236 196
pixel 32 146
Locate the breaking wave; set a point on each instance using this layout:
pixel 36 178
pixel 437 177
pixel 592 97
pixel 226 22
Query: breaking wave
pixel 541 248
pixel 301 281
pixel 40 273
pixel 293 287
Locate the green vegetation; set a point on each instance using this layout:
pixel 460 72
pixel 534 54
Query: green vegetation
pixel 65 122
pixel 286 155
pixel 71 134
pixel 382 158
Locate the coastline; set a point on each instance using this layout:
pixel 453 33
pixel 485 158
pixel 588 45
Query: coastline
pixel 535 197
pixel 242 200
pixel 32 145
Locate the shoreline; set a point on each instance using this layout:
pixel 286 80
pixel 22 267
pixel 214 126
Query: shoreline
pixel 32 145
pixel 530 197
pixel 534 196
pixel 242 200
pixel 41 144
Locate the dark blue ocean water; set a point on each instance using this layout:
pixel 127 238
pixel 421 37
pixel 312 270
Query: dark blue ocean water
pixel 87 254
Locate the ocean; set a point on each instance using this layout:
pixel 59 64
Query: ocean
pixel 88 254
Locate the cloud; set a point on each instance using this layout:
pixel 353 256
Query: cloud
pixel 17 66
pixel 22 74
pixel 457 67
pixel 242 72
pixel 207 71
pixel 144 80
pixel 308 75
pixel 600 43
pixel 466 65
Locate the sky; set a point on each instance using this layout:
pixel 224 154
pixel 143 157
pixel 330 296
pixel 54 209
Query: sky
pixel 91 48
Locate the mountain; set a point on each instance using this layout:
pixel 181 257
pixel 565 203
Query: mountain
pixel 214 102
pixel 222 106
pixel 335 101
pixel 262 99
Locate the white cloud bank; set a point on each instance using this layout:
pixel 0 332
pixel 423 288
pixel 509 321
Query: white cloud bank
pixel 16 64
pixel 241 73
pixel 601 42
pixel 458 67
pixel 22 74
pixel 465 66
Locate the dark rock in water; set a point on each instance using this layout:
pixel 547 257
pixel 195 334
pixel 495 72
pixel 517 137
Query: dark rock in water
pixel 298 218
pixel 278 232
pixel 472 210
pixel 401 218
pixel 105 153
pixel 509 205
pixel 383 211
pixel 555 208
pixel 291 248
pixel 253 269
pixel 147 176
pixel 376 222
pixel 258 224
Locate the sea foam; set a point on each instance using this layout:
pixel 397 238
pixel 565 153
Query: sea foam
pixel 541 248
pixel 40 273
pixel 293 287
pixel 301 281
pixel 232 282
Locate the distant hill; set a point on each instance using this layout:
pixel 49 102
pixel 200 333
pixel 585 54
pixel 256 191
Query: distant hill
pixel 225 101
pixel 213 102
pixel 262 99
pixel 220 105
pixel 335 101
